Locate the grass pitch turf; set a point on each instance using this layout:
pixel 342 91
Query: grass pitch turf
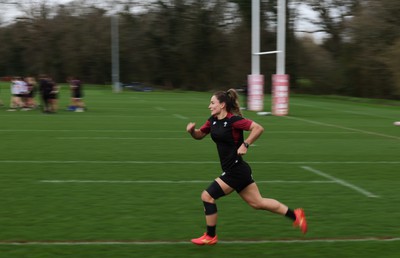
pixel 124 179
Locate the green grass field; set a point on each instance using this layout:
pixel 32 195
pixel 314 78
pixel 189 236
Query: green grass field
pixel 124 179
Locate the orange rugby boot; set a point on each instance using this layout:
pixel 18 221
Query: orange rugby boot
pixel 205 240
pixel 300 220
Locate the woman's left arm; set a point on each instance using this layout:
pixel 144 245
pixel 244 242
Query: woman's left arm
pixel 255 131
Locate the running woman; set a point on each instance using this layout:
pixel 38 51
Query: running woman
pixel 226 126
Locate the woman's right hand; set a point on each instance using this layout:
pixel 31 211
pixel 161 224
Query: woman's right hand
pixel 190 127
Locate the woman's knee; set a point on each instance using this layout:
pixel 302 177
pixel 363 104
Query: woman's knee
pixel 257 205
pixel 266 204
pixel 212 193
pixel 206 197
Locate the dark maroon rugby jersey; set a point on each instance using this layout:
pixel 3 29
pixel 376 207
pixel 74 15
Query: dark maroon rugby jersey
pixel 227 133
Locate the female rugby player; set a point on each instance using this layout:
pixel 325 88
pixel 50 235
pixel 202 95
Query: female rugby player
pixel 226 126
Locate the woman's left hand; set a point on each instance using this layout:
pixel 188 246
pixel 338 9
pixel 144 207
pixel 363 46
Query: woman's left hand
pixel 242 150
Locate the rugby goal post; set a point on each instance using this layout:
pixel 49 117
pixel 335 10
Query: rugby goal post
pixel 280 81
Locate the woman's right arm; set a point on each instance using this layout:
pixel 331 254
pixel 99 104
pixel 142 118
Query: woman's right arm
pixel 195 133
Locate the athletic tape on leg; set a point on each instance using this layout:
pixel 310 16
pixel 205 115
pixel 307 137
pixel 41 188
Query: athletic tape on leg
pixel 210 208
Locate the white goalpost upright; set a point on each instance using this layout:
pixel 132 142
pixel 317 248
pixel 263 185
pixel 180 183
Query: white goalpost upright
pixel 280 80
pixel 255 80
pixel 115 53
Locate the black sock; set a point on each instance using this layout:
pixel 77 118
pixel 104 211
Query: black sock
pixel 211 230
pixel 290 214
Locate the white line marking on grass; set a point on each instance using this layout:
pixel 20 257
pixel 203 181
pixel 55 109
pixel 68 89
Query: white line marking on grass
pixel 106 162
pixel 343 110
pixel 308 132
pixel 343 127
pixel 92 131
pixel 121 138
pixel 126 181
pixel 227 242
pixel 152 162
pixel 341 182
pixel 173 182
pixel 158 131
pixel 180 117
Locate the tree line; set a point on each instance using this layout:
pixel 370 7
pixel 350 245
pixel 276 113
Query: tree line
pixel 206 44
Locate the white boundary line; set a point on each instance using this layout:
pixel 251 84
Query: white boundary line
pixel 158 131
pixel 341 182
pixel 343 127
pixel 343 110
pixel 176 182
pixel 232 242
pixel 180 116
pixel 92 131
pixel 121 138
pixel 190 162
pixel 176 138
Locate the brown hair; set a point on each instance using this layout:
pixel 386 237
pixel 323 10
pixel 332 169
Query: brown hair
pixel 231 99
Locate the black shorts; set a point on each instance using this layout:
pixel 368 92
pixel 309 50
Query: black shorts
pixel 47 96
pixel 238 177
pixel 77 94
pixel 52 96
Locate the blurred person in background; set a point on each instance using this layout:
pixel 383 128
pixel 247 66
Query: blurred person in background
pixel 18 90
pixel 53 97
pixel 226 126
pixel 31 91
pixel 49 94
pixel 76 89
pixel 44 89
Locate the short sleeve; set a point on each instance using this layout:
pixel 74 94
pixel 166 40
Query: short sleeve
pixel 206 127
pixel 242 124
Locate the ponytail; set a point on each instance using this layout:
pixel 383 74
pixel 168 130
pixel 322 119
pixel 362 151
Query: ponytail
pixel 231 99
